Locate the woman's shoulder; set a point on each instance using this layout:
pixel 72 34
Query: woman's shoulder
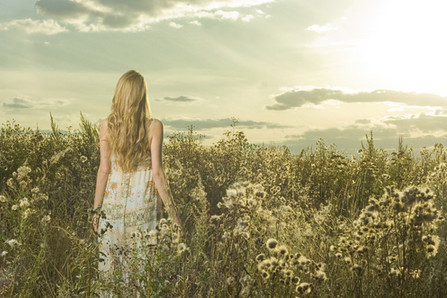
pixel 156 124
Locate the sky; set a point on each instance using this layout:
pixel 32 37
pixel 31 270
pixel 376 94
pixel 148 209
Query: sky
pixel 290 71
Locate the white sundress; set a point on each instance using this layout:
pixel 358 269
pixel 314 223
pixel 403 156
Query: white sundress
pixel 131 205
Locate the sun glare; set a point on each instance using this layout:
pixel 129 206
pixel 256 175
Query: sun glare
pixel 407 44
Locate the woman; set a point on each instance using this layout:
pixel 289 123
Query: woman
pixel 130 180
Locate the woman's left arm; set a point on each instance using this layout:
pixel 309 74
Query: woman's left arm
pixel 103 172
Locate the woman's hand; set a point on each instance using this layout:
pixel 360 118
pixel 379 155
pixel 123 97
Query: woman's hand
pixel 95 223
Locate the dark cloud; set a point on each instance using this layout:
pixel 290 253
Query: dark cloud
pixel 131 15
pixel 350 138
pixel 297 98
pixel 180 99
pixel 17 103
pixel 61 9
pixel 225 122
pixel 424 123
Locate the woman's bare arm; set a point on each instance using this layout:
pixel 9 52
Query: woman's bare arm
pixel 103 170
pixel 158 173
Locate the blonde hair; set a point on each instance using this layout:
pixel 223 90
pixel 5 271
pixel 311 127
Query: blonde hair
pixel 129 120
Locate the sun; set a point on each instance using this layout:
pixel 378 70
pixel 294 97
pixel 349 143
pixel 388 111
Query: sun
pixel 406 44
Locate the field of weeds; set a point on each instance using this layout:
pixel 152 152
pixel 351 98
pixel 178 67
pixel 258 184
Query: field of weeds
pixel 259 221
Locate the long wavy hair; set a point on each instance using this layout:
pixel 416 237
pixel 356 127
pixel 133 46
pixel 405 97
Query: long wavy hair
pixel 129 120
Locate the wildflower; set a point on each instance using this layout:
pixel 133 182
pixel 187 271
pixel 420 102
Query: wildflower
pixel 215 218
pixel 83 159
pixel 271 243
pixel 347 260
pixel 46 219
pixel 22 172
pixel 432 251
pixel 4 253
pixel 2 199
pixel 415 273
pixel 242 224
pixel 181 248
pixel 10 182
pixel 321 266
pixel 283 250
pixel 260 257
pixel 320 275
pixel 231 192
pixel 14 207
pixel 35 190
pixel 304 288
pixel 26 213
pixel 295 279
pixel 332 248
pixel 24 203
pixel 12 243
pixel 395 272
pixel 265 275
pixel 287 272
pixel 23 184
pixel 230 280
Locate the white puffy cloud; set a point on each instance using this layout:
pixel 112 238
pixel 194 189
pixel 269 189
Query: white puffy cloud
pixel 28 25
pixel 138 15
pixel 175 25
pixel 321 28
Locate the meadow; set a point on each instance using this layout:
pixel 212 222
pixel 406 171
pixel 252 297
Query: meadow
pixel 259 221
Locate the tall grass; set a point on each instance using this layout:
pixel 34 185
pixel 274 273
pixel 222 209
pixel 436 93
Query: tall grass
pixel 259 221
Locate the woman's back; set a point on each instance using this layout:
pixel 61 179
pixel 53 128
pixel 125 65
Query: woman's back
pixel 130 206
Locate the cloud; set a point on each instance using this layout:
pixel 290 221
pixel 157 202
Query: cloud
pixel 195 22
pixel 48 27
pixel 179 99
pixel 297 98
pixel 17 103
pixel 386 135
pixel 175 25
pixel 138 15
pixel 424 123
pixel 321 29
pixel 201 124
pixel 22 104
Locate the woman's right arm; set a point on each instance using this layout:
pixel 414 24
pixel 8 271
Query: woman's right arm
pixel 158 174
pixel 103 172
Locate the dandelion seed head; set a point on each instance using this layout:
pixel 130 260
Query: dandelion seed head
pixel 271 243
pixel 304 288
pixel 265 275
pixel 181 248
pixel 282 250
pixel 320 275
pixel 3 199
